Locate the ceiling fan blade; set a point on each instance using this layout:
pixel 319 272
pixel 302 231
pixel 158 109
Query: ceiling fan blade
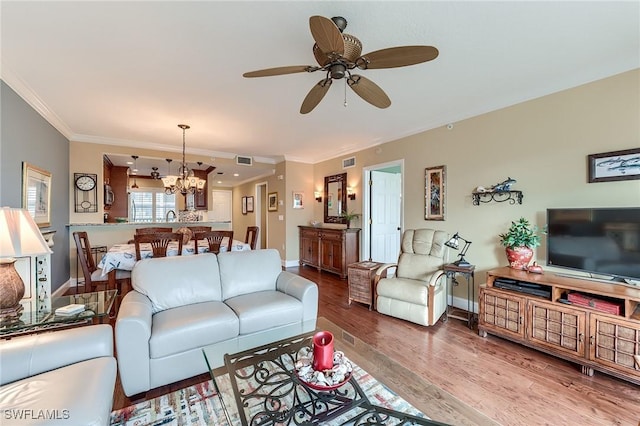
pixel 315 95
pixel 279 71
pixel 326 34
pixel 369 91
pixel 397 57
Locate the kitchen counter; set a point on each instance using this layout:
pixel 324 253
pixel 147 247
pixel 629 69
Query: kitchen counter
pixel 143 224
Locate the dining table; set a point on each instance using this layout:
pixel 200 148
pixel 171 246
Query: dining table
pixel 123 256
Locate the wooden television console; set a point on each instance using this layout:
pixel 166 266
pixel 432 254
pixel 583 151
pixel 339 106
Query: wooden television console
pixel 595 339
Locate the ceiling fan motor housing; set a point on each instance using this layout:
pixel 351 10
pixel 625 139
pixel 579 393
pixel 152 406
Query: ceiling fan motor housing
pixel 352 50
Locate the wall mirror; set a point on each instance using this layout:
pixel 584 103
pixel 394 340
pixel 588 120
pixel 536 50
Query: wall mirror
pixel 335 198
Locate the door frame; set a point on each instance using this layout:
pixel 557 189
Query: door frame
pixel 261 219
pixel 365 248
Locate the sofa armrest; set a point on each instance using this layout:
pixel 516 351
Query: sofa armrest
pixel 133 331
pixel 27 356
pixel 302 289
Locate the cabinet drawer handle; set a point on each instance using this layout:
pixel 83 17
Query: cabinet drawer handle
pixel 591 340
pixel 520 320
pixel 581 337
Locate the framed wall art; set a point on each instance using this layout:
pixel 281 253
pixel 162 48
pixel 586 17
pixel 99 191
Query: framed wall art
pixel 244 205
pixel 250 204
pixel 614 165
pixel 272 202
pixel 36 194
pixel 434 193
pixel 298 199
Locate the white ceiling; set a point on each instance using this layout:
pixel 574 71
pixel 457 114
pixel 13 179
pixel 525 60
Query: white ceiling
pixel 126 73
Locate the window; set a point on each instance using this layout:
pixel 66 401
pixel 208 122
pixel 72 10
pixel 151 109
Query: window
pixel 150 205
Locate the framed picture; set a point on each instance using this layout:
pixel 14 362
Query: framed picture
pixel 250 204
pixel 272 202
pixel 614 165
pixel 434 193
pixel 36 194
pixel 244 205
pixel 297 200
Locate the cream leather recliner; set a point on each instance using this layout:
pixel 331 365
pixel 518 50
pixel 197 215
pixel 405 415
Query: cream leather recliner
pixel 418 291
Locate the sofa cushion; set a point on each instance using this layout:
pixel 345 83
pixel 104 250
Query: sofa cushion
pixel 265 309
pixel 175 281
pixel 413 291
pixel 191 326
pixel 78 394
pixel 244 272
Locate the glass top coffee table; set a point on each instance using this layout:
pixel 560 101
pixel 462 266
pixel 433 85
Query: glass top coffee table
pixel 97 304
pixel 265 390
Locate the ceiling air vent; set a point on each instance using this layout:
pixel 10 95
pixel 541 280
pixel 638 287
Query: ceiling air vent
pixel 349 162
pixel 244 161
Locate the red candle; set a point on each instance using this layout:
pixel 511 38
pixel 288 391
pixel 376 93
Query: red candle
pixel 322 351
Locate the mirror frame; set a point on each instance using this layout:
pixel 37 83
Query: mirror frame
pixel 342 179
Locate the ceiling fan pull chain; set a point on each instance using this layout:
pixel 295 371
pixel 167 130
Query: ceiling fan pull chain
pixel 345 92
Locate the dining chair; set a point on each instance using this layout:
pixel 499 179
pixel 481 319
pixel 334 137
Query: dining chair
pixel 251 237
pixel 159 243
pixel 93 276
pixel 215 239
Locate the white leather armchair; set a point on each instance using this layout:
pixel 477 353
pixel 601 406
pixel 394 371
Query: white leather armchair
pixel 417 292
pixel 64 377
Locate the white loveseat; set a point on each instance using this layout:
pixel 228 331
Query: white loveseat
pixel 232 301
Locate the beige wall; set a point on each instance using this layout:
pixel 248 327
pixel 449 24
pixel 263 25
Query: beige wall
pixel 542 143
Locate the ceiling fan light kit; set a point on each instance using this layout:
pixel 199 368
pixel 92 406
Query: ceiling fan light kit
pixel 338 53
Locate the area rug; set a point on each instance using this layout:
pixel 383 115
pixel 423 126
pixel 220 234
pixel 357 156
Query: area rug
pixel 200 405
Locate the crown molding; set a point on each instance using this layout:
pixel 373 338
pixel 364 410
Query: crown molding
pixel 25 91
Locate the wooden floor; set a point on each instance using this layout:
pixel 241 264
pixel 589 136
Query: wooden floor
pixel 508 383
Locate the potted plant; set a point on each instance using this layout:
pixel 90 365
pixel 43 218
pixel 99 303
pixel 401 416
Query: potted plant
pixel 349 216
pixel 519 242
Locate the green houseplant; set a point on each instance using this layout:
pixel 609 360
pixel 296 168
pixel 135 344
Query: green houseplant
pixel 519 241
pixel 349 216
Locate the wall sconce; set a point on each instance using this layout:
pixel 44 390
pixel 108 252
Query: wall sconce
pixel 318 196
pixel 351 193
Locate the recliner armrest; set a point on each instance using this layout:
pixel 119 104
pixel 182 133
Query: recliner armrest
pixel 27 356
pixel 433 278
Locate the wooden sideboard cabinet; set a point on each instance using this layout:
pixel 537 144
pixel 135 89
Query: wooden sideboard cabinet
pixel 594 339
pixel 329 249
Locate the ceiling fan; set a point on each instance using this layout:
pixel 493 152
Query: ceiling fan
pixel 338 53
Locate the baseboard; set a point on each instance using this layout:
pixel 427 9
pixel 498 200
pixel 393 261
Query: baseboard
pixel 461 303
pixel 291 263
pixel 62 290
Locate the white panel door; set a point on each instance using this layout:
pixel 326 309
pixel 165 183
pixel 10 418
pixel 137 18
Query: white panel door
pixel 385 216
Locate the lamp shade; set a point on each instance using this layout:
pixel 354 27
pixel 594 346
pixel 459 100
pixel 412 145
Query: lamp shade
pixel 19 234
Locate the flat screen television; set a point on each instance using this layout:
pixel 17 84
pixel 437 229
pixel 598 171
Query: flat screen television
pixel 604 242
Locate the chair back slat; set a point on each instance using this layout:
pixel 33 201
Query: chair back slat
pixel 214 239
pixel 251 237
pixel 85 259
pixel 152 230
pixel 159 243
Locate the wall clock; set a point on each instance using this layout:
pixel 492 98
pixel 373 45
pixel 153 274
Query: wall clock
pixel 85 192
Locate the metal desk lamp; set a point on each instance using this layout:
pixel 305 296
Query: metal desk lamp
pixel 454 243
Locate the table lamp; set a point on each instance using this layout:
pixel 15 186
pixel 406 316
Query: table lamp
pixel 19 236
pixel 454 243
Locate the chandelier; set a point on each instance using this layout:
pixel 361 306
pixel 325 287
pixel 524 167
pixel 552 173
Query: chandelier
pixel 185 182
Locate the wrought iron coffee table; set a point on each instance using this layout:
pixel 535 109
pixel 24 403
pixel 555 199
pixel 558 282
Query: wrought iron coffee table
pixel 267 391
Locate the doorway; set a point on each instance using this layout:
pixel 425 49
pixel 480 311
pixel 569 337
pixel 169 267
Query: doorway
pixel 261 214
pixel 382 211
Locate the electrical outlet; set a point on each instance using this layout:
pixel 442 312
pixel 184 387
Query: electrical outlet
pixel 280 217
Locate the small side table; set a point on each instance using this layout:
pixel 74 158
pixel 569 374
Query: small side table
pixel 361 277
pixel 467 271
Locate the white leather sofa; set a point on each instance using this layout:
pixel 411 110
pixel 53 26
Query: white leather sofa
pixel 232 302
pixel 64 377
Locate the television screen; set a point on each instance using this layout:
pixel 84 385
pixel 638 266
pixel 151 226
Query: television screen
pixel 603 241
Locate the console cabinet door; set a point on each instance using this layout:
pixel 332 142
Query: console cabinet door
pixel 332 259
pixel 502 312
pixel 309 247
pixel 556 327
pixel 614 342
